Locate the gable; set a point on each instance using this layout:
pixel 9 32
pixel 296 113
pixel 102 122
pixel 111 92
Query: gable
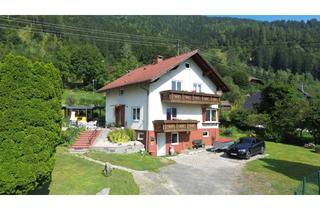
pixel 188 77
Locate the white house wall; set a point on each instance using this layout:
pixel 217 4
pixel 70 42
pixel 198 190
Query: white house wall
pixel 133 96
pixel 188 76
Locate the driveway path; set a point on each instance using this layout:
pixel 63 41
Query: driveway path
pixel 197 173
pixel 205 173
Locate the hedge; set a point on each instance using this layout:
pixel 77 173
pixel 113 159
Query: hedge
pixel 30 123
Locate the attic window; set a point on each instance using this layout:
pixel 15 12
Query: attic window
pixel 121 91
pixel 187 65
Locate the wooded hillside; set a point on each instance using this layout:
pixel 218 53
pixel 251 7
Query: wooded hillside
pixel 103 48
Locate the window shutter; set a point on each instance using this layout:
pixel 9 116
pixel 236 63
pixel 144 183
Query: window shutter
pixel 203 114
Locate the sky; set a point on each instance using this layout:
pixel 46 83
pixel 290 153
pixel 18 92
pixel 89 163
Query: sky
pixel 276 17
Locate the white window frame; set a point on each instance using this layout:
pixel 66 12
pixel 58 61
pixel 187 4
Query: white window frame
pixel 177 139
pixel 205 135
pixel 135 115
pixel 139 137
pixel 216 117
pixel 175 87
pixel 171 117
pixel 197 87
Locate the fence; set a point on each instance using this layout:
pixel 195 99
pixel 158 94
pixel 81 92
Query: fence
pixel 310 185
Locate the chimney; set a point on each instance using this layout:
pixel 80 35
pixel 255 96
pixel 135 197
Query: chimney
pixel 157 59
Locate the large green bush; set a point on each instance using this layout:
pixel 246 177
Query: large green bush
pixel 30 120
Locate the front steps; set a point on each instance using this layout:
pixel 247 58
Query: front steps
pixel 85 140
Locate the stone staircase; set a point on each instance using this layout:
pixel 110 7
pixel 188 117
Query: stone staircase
pixel 85 140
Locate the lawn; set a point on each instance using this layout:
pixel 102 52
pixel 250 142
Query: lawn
pixel 134 161
pixel 76 176
pixel 82 97
pixel 282 171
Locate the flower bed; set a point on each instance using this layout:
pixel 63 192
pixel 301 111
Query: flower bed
pixel 121 135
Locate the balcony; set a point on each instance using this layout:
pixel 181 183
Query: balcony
pixel 186 97
pixel 174 125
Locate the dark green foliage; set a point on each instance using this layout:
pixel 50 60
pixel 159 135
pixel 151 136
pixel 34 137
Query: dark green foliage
pixel 287 111
pixel 313 120
pixel 239 117
pixel 87 63
pixel 241 78
pixel 31 121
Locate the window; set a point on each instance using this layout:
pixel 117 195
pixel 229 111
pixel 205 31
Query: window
pixel 187 65
pixel 121 91
pixel 140 136
pixel 174 138
pixel 197 87
pixel 211 115
pixel 176 85
pixel 136 113
pixel 205 134
pixel 171 113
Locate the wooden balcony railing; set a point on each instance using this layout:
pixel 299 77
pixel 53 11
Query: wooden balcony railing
pixel 186 97
pixel 174 125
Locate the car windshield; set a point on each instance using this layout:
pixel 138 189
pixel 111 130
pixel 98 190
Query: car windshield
pixel 245 141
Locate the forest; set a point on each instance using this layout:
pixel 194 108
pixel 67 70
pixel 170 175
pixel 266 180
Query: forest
pixel 102 48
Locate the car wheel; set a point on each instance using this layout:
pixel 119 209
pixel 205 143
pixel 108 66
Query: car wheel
pixel 262 150
pixel 248 155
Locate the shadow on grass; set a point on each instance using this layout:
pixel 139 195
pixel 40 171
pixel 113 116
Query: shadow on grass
pixel 293 170
pixel 43 190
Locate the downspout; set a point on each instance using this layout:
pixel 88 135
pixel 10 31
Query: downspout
pixel 147 117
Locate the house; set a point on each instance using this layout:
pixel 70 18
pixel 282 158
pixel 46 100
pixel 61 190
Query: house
pixel 252 101
pixel 169 103
pixel 255 80
pixel 225 105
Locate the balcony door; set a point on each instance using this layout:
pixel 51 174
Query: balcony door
pixel 119 115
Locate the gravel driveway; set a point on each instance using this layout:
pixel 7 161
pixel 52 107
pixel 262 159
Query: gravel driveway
pixel 198 173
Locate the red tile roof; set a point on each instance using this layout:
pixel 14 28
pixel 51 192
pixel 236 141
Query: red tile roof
pixel 151 72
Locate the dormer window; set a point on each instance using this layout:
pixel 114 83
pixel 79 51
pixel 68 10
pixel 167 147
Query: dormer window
pixel 187 65
pixel 176 85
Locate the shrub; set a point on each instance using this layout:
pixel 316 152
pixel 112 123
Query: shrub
pixel 131 134
pixel 317 149
pixel 118 136
pixel 30 115
pixel 239 118
pixel 228 131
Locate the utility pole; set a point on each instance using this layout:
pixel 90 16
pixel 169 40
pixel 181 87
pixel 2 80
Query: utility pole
pixel 178 47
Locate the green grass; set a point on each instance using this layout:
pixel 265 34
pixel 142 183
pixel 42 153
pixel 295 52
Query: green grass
pixel 76 176
pixel 82 97
pixel 134 161
pixel 282 171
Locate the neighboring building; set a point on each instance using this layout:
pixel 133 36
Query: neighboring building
pixel 225 105
pixel 252 101
pixel 169 103
pixel 255 80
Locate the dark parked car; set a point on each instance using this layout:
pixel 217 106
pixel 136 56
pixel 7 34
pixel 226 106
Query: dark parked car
pixel 246 147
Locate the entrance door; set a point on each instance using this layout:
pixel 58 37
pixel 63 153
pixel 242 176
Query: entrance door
pixel 161 144
pixel 119 115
